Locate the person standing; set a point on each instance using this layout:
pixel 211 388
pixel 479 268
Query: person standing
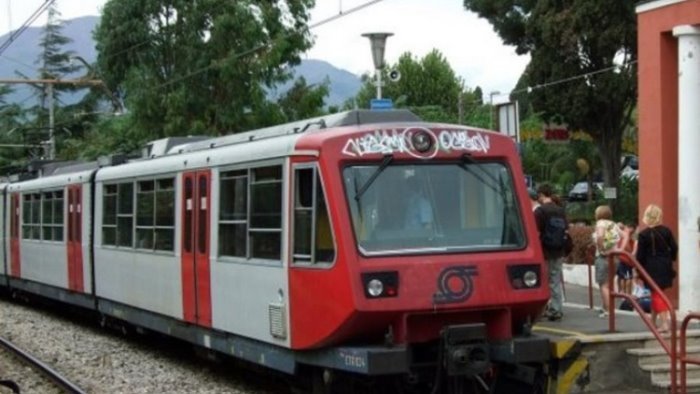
pixel 656 252
pixel 608 238
pixel 552 226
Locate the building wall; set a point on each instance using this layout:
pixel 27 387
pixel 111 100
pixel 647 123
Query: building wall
pixel 658 105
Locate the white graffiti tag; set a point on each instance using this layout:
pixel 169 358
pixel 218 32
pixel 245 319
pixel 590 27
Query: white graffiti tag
pixel 401 141
pixel 460 140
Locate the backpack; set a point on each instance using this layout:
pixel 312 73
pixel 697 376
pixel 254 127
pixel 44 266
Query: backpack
pixel 554 235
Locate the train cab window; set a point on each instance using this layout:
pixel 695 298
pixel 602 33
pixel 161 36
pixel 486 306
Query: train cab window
pixel 407 208
pixel 313 238
pixel 250 213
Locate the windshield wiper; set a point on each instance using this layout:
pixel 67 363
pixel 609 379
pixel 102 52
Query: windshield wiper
pixel 385 163
pixel 467 159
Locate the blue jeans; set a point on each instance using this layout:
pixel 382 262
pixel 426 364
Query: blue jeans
pixel 555 286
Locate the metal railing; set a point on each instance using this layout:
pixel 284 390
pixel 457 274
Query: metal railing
pixel 670 348
pixel 683 357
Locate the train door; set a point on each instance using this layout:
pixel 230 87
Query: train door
pixel 196 281
pixel 74 243
pixel 14 235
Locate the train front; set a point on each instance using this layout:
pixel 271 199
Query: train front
pixel 437 249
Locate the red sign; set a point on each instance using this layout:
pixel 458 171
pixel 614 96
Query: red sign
pixel 558 133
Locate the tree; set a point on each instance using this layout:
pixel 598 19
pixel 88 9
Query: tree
pixel 589 47
pixel 428 86
pixel 195 67
pixel 54 63
pixel 303 101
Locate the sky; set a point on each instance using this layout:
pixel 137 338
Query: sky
pixel 468 43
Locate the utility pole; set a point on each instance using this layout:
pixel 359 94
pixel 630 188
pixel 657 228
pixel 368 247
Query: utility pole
pixel 50 148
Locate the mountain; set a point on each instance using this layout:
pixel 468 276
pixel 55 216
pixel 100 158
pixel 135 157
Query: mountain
pixel 22 54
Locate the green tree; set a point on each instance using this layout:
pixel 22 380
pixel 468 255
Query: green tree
pixel 428 86
pixel 567 40
pixel 199 67
pixel 303 101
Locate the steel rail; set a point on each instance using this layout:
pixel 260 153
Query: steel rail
pixel 56 377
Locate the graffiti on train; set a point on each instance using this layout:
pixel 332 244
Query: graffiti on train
pixel 407 141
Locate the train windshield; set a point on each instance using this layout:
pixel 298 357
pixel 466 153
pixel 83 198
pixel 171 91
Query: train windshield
pixel 429 208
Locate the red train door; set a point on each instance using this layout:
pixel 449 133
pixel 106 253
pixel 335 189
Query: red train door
pixel 14 235
pixel 74 243
pixel 196 281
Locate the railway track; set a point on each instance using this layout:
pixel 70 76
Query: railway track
pixel 51 374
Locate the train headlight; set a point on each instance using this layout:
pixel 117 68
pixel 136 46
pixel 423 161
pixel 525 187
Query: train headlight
pixel 526 276
pixel 375 287
pixel 530 279
pixel 380 284
pixel 422 141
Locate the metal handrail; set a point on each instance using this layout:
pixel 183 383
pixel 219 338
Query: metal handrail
pixel 671 349
pixel 683 357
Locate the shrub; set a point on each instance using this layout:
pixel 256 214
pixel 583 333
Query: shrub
pixel 582 237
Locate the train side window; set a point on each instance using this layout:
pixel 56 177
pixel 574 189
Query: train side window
pixel 155 214
pixel 313 237
pixel 58 216
pixel 165 214
pixel 233 213
pixel 52 216
pixel 265 230
pixel 125 214
pixel 145 210
pixel 109 215
pixel 31 216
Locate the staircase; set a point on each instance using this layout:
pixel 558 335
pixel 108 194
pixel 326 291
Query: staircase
pixel 655 367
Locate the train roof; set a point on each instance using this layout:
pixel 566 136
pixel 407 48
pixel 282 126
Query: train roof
pixel 348 118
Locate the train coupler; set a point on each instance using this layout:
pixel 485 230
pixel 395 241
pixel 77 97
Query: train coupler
pixel 465 350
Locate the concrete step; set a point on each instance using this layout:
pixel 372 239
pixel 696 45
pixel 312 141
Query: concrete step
pixel 693 385
pixel 691 340
pixel 653 351
pixel 662 371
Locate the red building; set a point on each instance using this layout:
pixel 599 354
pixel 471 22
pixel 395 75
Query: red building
pixel 669 129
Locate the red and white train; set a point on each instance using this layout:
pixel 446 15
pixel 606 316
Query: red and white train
pixel 363 242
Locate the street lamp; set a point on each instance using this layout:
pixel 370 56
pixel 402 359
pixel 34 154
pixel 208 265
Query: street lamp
pixel 493 93
pixel 378 43
pixel 116 103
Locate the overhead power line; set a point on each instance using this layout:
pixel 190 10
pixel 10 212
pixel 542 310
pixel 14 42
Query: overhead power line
pixel 13 36
pixel 572 78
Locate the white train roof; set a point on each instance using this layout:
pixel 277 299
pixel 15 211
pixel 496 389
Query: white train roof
pixel 51 182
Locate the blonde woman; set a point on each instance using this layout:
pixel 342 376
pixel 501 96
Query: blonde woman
pixel 608 238
pixel 656 252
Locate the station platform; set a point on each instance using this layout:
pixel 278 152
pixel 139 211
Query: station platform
pixel 612 364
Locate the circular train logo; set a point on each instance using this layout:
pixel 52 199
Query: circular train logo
pixel 455 284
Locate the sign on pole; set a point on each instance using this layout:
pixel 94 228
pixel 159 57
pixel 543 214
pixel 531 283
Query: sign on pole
pixel 381 104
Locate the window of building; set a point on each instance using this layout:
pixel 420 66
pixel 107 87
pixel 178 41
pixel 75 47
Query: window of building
pixel 250 218
pixel 313 237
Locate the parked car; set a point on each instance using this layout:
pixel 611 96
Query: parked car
pixel 580 191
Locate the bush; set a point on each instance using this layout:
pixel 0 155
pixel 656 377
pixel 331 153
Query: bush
pixel 582 237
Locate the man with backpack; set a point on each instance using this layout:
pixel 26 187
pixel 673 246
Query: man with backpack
pixel 552 226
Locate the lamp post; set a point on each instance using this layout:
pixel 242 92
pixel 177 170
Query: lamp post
pixel 378 43
pixel 116 103
pixel 493 93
